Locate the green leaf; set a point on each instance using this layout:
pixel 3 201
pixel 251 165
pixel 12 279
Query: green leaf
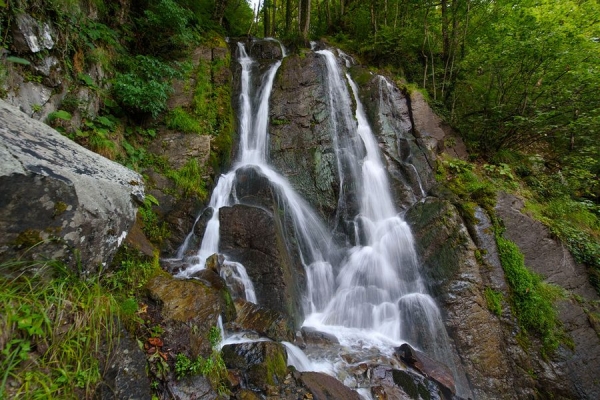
pixel 17 60
pixel 105 122
pixel 85 78
pixel 151 199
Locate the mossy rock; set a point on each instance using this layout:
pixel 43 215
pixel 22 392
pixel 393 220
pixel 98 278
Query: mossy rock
pixel 188 309
pixel 261 363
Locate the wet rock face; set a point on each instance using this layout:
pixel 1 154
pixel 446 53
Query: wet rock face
pixel 487 348
pixel 188 309
pixel 79 204
pixel 261 320
pixel 435 133
pixel 409 161
pixel 253 237
pixel 125 374
pixel 260 363
pixel 437 371
pixel 325 387
pixel 574 370
pixel 264 49
pixel 300 143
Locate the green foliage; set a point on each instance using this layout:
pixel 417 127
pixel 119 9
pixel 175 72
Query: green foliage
pixel 212 367
pixel 18 60
pixel 493 300
pixel 94 33
pixel 167 29
pixel 60 114
pixel 53 330
pixel 145 85
pixel 180 120
pixel 532 299
pixel 155 230
pixel 189 179
pixel 136 156
pixel 470 187
pixel 214 336
pixel 129 273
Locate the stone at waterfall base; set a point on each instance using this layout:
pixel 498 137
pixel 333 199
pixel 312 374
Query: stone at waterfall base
pixel 428 367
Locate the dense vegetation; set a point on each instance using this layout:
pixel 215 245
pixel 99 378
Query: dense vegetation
pixel 517 79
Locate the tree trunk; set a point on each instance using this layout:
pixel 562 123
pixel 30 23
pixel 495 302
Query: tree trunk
pixel 304 19
pixel 445 35
pixel 373 18
pixel 267 18
pixel 273 17
pixel 219 11
pixel 288 16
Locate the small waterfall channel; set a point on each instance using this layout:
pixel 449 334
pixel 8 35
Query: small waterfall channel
pixel 372 296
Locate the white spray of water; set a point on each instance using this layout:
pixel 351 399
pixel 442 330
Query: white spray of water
pixel 378 290
pixel 377 297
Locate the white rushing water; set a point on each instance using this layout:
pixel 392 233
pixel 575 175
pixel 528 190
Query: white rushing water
pixel 378 289
pixel 314 239
pixel 375 296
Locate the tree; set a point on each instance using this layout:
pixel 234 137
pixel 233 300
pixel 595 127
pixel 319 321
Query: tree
pixel 304 19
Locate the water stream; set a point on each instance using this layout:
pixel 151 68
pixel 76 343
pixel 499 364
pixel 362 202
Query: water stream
pixel 375 296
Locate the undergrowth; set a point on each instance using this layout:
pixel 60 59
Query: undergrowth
pixel 212 367
pixel 531 299
pixel 56 329
pixel 52 333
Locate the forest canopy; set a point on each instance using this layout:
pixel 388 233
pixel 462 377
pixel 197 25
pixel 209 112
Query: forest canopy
pixel 516 75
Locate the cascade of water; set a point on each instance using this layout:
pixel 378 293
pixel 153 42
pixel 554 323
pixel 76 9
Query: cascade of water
pixel 377 295
pixel 313 238
pixel 378 287
pixel 297 358
pixel 347 145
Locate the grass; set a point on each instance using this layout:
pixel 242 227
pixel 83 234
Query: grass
pixel 180 120
pixel 52 334
pixel 189 179
pixel 493 300
pixel 57 329
pixel 532 299
pixel 212 367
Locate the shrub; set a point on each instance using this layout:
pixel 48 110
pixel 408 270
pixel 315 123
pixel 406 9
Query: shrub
pixel 145 86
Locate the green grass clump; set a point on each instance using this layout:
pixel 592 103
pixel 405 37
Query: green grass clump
pixel 532 299
pixel 57 329
pixel 156 231
pixel 469 187
pixel 52 332
pixel 180 120
pixel 493 300
pixel 189 179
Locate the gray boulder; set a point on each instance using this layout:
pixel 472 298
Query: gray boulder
pixel 59 200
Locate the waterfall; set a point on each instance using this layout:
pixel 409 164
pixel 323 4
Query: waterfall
pixel 375 295
pixel 378 288
pixel 314 239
